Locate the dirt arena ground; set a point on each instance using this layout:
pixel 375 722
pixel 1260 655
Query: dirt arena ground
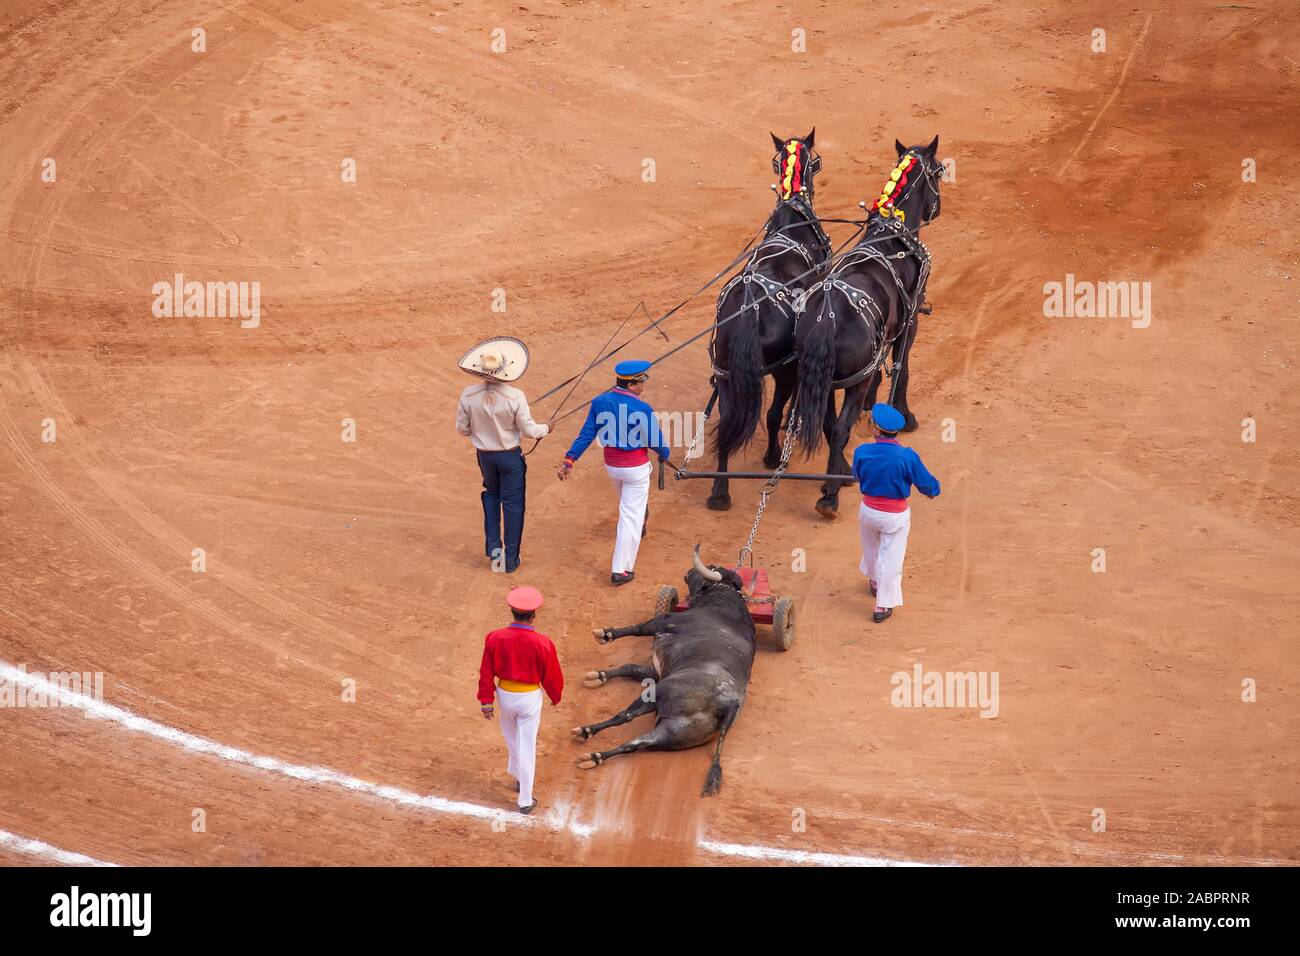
pixel 1120 691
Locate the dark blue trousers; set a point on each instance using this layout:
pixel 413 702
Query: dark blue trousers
pixel 504 478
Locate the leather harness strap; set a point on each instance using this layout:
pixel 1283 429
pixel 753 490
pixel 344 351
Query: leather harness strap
pixel 776 243
pixel 866 307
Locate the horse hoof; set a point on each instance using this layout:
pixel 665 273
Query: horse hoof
pixel 827 509
pixel 594 679
pixel 589 762
pixel 719 502
pixel 580 734
pixel 910 424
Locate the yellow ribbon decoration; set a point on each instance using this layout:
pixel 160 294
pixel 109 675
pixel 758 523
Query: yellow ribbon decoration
pixel 787 184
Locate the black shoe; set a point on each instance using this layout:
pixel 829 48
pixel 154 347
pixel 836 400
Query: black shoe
pixel 623 578
pixel 881 616
pixel 530 808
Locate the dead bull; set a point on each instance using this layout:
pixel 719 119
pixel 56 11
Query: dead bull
pixel 699 662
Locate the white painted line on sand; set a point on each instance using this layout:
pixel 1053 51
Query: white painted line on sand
pixel 557 819
pixel 777 855
pixel 30 847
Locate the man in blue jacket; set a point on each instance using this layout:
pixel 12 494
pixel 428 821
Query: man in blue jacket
pixel 627 429
pixel 886 472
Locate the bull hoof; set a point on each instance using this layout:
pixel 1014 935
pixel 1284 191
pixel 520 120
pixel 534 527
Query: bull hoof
pixel 594 679
pixel 719 502
pixel 581 733
pixel 828 508
pixel 602 635
pixel 589 762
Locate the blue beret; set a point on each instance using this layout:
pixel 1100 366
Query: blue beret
pixel 631 368
pixel 887 417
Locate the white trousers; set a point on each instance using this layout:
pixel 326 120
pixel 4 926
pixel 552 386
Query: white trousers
pixel 633 487
pixel 521 716
pixel 884 545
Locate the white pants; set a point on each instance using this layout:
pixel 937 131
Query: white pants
pixel 633 486
pixel 884 545
pixel 521 715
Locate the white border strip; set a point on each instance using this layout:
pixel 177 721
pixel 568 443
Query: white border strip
pixel 776 855
pixel 323 776
pixel 318 775
pixel 29 847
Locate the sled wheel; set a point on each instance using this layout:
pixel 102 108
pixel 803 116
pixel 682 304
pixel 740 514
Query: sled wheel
pixel 783 623
pixel 666 600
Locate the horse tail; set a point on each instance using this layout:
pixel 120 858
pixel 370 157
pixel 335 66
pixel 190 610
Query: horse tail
pixel 742 387
pixel 816 376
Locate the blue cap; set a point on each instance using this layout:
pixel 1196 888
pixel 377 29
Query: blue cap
pixel 632 368
pixel 887 417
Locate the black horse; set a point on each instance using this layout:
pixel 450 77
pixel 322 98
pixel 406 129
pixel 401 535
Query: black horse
pixel 866 306
pixel 759 341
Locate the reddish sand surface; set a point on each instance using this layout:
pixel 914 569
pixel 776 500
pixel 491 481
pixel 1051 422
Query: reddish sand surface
pixel 328 561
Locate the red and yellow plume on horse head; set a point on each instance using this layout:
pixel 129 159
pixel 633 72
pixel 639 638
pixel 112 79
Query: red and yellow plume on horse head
pixel 792 169
pixel 894 187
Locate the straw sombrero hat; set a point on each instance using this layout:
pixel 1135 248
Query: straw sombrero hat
pixel 502 359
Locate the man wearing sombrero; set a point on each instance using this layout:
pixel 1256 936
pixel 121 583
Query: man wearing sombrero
pixel 519 662
pixel 493 415
pixel 627 428
pixel 886 472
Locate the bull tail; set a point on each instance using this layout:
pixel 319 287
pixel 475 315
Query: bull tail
pixel 713 782
pixel 816 378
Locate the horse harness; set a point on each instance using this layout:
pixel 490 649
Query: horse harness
pixel 866 308
pixel 775 244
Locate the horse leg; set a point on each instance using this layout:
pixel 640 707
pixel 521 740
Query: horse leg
pixel 898 387
pixel 841 432
pixel 630 712
pixel 627 671
pixel 785 379
pixel 720 499
pixel 873 390
pixel 828 503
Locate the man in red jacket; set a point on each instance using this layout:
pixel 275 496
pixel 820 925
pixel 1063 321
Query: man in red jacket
pixel 522 661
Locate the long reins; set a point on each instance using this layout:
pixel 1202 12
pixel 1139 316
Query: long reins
pixel 714 325
pixel 860 225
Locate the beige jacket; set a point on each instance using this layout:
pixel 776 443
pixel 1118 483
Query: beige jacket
pixel 493 415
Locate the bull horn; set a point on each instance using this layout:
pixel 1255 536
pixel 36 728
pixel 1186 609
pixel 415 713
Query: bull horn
pixel 704 569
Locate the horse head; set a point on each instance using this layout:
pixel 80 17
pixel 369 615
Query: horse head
pixel 796 163
pixel 911 193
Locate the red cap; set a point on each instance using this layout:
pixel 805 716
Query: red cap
pixel 524 599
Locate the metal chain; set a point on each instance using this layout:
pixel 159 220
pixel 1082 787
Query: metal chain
pixel 690 449
pixel 768 488
pixel 699 433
